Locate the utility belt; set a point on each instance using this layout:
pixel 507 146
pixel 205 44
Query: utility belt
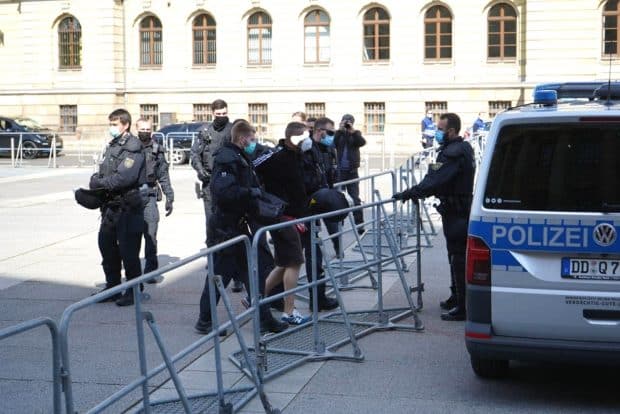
pixel 459 204
pixel 130 200
pixel 151 190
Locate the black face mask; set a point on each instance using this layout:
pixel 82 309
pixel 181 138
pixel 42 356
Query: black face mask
pixel 219 122
pixel 144 136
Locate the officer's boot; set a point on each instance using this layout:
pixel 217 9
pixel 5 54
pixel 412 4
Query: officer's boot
pixel 458 312
pixel 324 301
pixel 127 298
pixel 451 301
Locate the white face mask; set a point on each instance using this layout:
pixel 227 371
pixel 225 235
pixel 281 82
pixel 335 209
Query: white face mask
pixel 306 144
pixel 296 139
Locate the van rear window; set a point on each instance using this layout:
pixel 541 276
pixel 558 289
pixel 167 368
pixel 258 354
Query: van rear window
pixel 559 167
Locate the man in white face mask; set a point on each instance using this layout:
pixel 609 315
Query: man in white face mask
pixel 283 175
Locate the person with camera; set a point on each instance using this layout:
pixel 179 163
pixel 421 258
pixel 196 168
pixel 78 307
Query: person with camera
pixel 208 141
pixel 451 179
pixel 121 173
pixel 157 181
pixel 282 173
pixel 235 189
pixel 348 142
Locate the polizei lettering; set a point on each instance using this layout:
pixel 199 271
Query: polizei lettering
pixel 540 236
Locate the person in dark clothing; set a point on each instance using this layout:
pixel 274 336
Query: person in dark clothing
pixel 283 175
pixel 348 142
pixel 121 173
pixel 208 141
pixel 235 187
pixel 315 178
pixel 451 179
pixel 157 181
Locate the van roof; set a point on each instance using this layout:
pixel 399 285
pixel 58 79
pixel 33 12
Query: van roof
pixel 573 107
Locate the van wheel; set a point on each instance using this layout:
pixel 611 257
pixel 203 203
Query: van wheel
pixel 178 157
pixel 490 368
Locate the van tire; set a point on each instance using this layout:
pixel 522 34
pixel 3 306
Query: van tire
pixel 490 368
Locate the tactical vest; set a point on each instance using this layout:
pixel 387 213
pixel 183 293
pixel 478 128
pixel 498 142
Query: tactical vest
pixel 112 157
pixel 150 158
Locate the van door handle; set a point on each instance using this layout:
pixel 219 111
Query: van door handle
pixel 602 317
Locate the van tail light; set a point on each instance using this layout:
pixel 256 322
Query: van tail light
pixel 478 262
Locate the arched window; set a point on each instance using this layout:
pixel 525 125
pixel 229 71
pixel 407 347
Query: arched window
pixel 69 43
pixel 438 33
pixel 611 27
pixel 150 42
pixel 502 32
pixel 316 37
pixel 376 34
pixel 204 40
pixel 259 39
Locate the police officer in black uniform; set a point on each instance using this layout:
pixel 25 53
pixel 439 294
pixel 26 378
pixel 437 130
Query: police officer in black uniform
pixel 315 178
pixel 157 181
pixel 121 174
pixel 451 179
pixel 235 187
pixel 203 149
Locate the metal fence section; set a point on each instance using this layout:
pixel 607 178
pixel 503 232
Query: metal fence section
pixel 51 325
pixel 320 338
pixel 224 400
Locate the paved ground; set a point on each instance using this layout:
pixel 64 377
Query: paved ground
pixel 49 259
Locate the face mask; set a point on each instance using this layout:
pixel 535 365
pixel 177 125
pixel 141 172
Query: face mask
pixel 144 136
pixel 114 132
pixel 328 140
pixel 296 139
pixel 250 148
pixel 219 122
pixel 439 136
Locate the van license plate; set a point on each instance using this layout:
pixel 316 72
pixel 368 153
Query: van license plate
pixel 590 269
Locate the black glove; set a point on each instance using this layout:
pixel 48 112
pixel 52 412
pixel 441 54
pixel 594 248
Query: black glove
pixel 410 194
pixel 168 207
pixel 204 176
pixel 95 182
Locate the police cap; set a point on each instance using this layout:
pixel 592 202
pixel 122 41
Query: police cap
pixel 327 200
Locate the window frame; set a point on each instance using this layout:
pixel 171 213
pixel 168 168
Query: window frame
pixel 437 20
pixel 67 112
pixel 202 112
pixel 257 113
pixel 204 28
pixel 151 112
pixel 317 24
pixel 152 30
pixel 438 108
pixel 261 26
pixel 502 19
pixel 73 44
pixel 374 118
pixel 315 109
pixel 376 24
pixel 616 41
pixel 497 106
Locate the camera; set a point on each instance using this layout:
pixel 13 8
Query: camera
pixel 348 125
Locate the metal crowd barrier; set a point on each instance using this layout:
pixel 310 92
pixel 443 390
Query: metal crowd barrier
pixel 318 340
pixel 51 325
pixel 226 400
pixel 18 148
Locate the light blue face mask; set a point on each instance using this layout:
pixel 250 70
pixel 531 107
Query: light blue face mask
pixel 439 135
pixel 250 148
pixel 114 132
pixel 328 140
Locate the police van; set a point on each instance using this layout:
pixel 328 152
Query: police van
pixel 543 252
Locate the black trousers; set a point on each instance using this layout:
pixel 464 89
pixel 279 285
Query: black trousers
pixel 455 231
pixel 231 263
pixel 120 238
pixel 353 190
pixel 151 222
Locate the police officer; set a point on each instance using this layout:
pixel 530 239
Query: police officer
pixel 208 141
pixel 451 179
pixel 315 178
pixel 323 132
pixel 157 180
pixel 121 173
pixel 235 187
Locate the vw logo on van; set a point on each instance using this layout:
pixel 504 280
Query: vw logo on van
pixel 605 234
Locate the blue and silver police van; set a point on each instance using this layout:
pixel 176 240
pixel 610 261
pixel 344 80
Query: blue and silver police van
pixel 543 252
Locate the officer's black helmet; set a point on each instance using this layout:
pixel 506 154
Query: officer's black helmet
pixel 326 200
pixel 91 199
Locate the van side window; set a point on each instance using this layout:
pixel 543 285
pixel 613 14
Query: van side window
pixel 559 167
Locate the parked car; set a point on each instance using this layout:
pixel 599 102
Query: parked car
pixel 182 136
pixel 36 140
